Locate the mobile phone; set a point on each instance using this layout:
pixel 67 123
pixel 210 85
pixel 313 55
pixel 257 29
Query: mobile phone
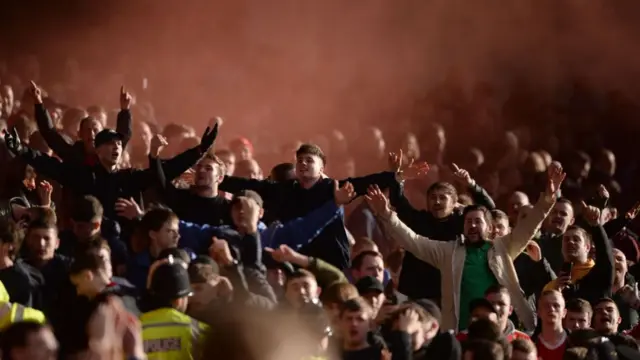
pixel 566 269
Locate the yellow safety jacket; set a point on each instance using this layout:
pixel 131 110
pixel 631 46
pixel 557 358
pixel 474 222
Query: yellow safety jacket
pixel 169 334
pixel 12 313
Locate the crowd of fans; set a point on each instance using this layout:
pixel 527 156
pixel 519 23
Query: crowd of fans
pixel 122 238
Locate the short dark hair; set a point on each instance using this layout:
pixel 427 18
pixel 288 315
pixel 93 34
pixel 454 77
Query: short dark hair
pixel 89 260
pixel 523 345
pixel 298 274
pixel 338 293
pixel 311 149
pixel 484 350
pixel 87 209
pixel 604 300
pixel 487 214
pixel 496 289
pixel 42 218
pixel 17 335
pixel 201 273
pixel 484 329
pixel 93 244
pixel 280 172
pixel 355 305
pixel 359 259
pixel 579 305
pixel 11 234
pixel 498 215
pixel 448 188
pixel 250 194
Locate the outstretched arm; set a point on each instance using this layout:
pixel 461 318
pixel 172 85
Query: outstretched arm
pixel 430 251
pixel 527 227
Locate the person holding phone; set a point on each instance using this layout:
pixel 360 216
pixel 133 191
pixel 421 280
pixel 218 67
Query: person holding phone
pixel 582 276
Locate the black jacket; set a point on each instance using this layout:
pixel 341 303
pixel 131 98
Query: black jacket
pixel 190 207
pixel 107 186
pixel 598 283
pixel 288 200
pixel 416 272
pixel 22 282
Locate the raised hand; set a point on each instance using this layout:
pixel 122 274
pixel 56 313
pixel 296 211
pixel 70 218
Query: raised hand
pixel 158 142
pixel 377 201
pixel 591 214
pixel 209 137
pixel 125 99
pixel 128 208
pixel 283 253
pixel 12 141
pixel 633 212
pixel 411 171
pixel 395 161
pixel 555 177
pixel 45 189
pixel 462 175
pixel 220 252
pixel 603 192
pixel 343 195
pixel 35 92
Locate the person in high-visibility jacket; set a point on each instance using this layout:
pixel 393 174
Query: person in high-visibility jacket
pixel 12 313
pixel 168 333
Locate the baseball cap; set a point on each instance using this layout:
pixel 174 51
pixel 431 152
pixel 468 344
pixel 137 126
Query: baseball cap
pixel 369 284
pixel 170 281
pixel 106 136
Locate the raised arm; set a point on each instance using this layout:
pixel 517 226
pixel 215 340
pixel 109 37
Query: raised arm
pixel 516 241
pixel 478 194
pixel 604 267
pixel 431 251
pixel 411 216
pixel 124 121
pixel 301 231
pixel 56 142
pixel 175 166
pixel 44 164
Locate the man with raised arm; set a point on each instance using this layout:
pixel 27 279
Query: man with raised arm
pixel 311 189
pixel 82 151
pixel 470 266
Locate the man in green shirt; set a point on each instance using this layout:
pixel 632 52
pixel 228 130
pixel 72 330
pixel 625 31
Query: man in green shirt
pixel 469 267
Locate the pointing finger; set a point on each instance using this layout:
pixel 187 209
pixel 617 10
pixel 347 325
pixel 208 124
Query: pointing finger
pixel 455 167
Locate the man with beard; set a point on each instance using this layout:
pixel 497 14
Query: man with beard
pixel 201 203
pixel 442 221
pixel 583 277
pixel 470 266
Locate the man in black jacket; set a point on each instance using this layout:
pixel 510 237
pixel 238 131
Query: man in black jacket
pixel 105 180
pixel 311 189
pixel 83 150
pixel 443 221
pixel 589 279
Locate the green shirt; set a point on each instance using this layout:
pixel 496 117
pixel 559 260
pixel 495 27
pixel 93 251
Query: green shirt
pixel 476 279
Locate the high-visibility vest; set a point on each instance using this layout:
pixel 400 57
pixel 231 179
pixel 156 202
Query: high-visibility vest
pixel 169 334
pixel 12 313
pixel 4 294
